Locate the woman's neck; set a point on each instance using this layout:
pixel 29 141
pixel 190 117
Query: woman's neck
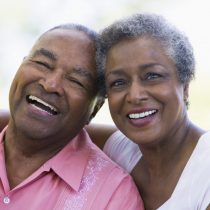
pixel 161 165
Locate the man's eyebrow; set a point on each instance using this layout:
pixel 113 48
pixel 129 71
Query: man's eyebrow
pixel 46 53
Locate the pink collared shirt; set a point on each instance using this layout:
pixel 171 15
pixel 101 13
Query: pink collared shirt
pixel 79 177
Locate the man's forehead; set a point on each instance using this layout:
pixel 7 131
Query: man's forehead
pixel 48 46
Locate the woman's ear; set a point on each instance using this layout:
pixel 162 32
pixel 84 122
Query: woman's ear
pixel 186 94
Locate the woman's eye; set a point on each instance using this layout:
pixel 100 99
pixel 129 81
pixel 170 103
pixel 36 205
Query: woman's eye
pixel 117 83
pixel 152 76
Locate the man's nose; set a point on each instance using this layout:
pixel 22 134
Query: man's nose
pixel 136 93
pixel 52 83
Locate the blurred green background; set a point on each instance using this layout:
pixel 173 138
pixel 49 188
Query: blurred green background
pixel 22 21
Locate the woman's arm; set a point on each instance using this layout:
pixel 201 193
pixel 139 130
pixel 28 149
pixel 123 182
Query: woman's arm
pixel 4 118
pixel 99 133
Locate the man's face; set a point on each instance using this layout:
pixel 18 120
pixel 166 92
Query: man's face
pixel 53 92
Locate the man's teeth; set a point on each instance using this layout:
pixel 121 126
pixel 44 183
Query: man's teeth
pixel 34 98
pixel 141 115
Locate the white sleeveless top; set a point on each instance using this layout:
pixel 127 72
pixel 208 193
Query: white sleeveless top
pixel 122 150
pixel 192 191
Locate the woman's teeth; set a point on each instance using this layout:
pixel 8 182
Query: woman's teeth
pixel 142 114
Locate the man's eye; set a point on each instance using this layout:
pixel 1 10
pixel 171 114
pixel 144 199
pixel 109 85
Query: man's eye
pixel 44 64
pixel 75 82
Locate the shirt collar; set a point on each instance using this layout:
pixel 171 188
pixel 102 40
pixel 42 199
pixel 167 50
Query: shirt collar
pixel 70 163
pixel 2 135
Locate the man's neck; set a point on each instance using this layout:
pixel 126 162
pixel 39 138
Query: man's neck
pixel 24 156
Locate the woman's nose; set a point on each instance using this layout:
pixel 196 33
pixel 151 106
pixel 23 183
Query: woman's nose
pixel 136 93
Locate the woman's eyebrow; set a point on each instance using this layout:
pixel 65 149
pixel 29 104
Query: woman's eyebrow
pixel 115 72
pixel 149 65
pixel 121 71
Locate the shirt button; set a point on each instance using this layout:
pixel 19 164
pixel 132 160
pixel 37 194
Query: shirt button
pixel 6 200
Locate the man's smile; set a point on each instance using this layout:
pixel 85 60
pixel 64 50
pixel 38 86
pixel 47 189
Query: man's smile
pixel 41 105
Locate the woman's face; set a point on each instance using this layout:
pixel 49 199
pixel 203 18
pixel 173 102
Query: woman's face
pixel 146 99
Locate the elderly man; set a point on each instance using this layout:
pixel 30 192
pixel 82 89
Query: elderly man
pixel 47 160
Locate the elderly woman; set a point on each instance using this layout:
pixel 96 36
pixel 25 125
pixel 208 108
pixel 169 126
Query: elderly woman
pixel 148 67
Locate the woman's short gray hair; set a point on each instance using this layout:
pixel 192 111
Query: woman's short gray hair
pixel 175 42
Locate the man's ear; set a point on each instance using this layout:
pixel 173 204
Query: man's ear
pixel 100 101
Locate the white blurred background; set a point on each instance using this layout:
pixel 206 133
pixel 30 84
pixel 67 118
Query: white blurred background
pixel 22 21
